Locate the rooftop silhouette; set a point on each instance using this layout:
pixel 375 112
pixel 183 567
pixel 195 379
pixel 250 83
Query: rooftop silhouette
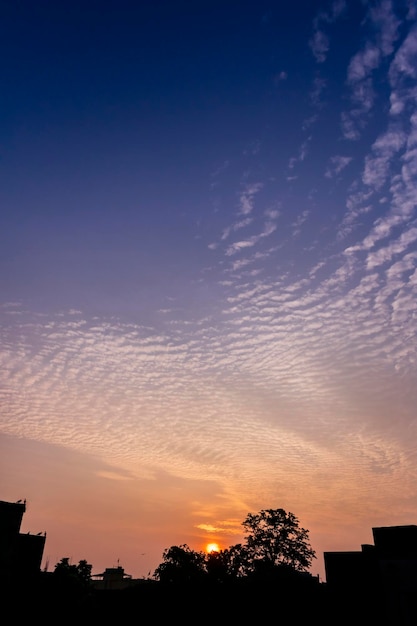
pixel 376 584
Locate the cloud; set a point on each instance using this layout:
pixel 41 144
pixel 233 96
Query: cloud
pixel 376 171
pixel 277 378
pixel 363 96
pixel 350 126
pixel 412 10
pixel 363 63
pixel 235 227
pixel 377 165
pixel 221 168
pixel 404 63
pixel 336 165
pixel 338 7
pixel 319 42
pixel 387 24
pixel 254 258
pixel 385 27
pixel 319 84
pixel 303 151
pixel 405 265
pixel 211 529
pixel 402 68
pixel 246 200
pixel 353 121
pixel 240 245
pixel 272 214
pixel 269 228
pixel 281 76
pixel 357 207
pixel 394 248
pixel 299 221
pixel 112 475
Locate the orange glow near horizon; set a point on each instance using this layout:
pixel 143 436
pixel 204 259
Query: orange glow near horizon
pixel 212 547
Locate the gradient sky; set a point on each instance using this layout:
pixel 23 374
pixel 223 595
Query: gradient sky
pixel 208 271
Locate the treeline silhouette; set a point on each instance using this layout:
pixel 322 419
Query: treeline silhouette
pixel 264 579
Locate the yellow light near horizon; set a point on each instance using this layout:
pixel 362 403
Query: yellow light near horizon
pixel 212 547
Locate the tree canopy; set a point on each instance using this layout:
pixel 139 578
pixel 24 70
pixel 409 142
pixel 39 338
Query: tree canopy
pixel 274 537
pixel 180 565
pixel 273 540
pixel 73 574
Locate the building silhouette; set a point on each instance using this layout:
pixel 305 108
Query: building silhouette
pixel 374 585
pixel 112 578
pixel 383 575
pixel 20 553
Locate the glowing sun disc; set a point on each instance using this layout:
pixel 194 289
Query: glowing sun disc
pixel 212 547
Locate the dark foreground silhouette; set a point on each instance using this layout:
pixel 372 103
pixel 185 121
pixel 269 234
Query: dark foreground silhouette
pixel 273 601
pixel 265 579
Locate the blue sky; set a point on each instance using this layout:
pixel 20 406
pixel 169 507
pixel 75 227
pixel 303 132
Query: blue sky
pixel 208 269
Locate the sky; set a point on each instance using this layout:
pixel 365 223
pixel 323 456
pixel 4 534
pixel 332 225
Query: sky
pixel 208 271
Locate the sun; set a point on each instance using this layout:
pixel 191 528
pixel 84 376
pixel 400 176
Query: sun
pixel 212 547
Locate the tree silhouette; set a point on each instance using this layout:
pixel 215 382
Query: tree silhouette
pixel 274 541
pixel 181 565
pixel 73 576
pixel 235 561
pixel 81 571
pixel 275 538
